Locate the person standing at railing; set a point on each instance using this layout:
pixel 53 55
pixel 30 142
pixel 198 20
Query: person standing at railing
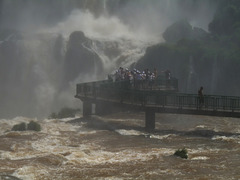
pixel 151 80
pixel 200 97
pixel 155 72
pixel 168 77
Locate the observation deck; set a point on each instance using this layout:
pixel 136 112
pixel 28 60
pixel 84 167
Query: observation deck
pixel 158 96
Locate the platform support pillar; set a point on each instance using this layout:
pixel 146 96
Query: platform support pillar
pixel 87 108
pixel 149 119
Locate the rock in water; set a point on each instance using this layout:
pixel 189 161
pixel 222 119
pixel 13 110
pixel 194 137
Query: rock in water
pixel 181 153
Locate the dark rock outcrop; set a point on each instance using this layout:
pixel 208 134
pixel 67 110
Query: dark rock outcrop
pixel 80 57
pixel 196 59
pixel 183 30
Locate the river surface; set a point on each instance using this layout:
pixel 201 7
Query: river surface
pixel 117 147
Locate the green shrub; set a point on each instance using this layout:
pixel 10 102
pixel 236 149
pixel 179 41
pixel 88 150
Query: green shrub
pixel 53 116
pixel 19 127
pixel 181 153
pixel 64 113
pixel 33 126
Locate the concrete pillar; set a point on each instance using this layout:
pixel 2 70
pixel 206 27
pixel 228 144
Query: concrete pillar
pixel 87 108
pixel 149 119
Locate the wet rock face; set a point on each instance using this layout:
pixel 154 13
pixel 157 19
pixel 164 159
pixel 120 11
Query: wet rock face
pixel 183 30
pixel 76 39
pixel 80 57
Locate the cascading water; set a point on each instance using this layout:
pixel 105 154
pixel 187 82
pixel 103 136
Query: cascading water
pixel 105 6
pixel 215 73
pixel 40 73
pixel 118 53
pixel 191 80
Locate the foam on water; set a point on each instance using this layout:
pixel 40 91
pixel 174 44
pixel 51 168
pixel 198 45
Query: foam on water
pixel 201 126
pixel 56 126
pixel 203 150
pixel 167 136
pixel 20 153
pixel 55 143
pixel 86 132
pixel 139 133
pixel 200 158
pixel 201 153
pixel 130 132
pixel 235 138
pixel 96 157
pixel 92 153
pixel 31 172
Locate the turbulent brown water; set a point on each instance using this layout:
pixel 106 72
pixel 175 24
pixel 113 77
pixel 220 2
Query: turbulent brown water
pixel 117 147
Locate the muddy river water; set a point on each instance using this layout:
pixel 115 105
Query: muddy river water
pixel 117 147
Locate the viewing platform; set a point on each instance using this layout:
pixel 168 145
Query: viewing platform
pixel 159 96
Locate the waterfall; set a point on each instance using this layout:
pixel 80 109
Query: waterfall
pixel 190 71
pixel 36 75
pixel 215 73
pixel 120 52
pixel 191 80
pixel 105 6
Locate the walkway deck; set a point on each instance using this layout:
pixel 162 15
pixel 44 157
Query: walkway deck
pixel 159 98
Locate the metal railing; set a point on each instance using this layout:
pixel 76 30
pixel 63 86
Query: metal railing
pixel 146 95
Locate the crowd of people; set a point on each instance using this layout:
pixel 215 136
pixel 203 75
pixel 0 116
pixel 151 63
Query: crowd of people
pixel 136 77
pixel 126 74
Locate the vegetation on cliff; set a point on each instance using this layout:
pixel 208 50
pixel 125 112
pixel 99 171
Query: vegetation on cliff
pixel 64 113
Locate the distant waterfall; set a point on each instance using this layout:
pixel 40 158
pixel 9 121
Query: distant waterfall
pixel 190 72
pixel 215 73
pixel 104 6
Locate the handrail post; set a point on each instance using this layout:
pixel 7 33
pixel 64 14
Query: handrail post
pixel 180 102
pixel 232 104
pixel 215 104
pixel 197 102
pixel 94 90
